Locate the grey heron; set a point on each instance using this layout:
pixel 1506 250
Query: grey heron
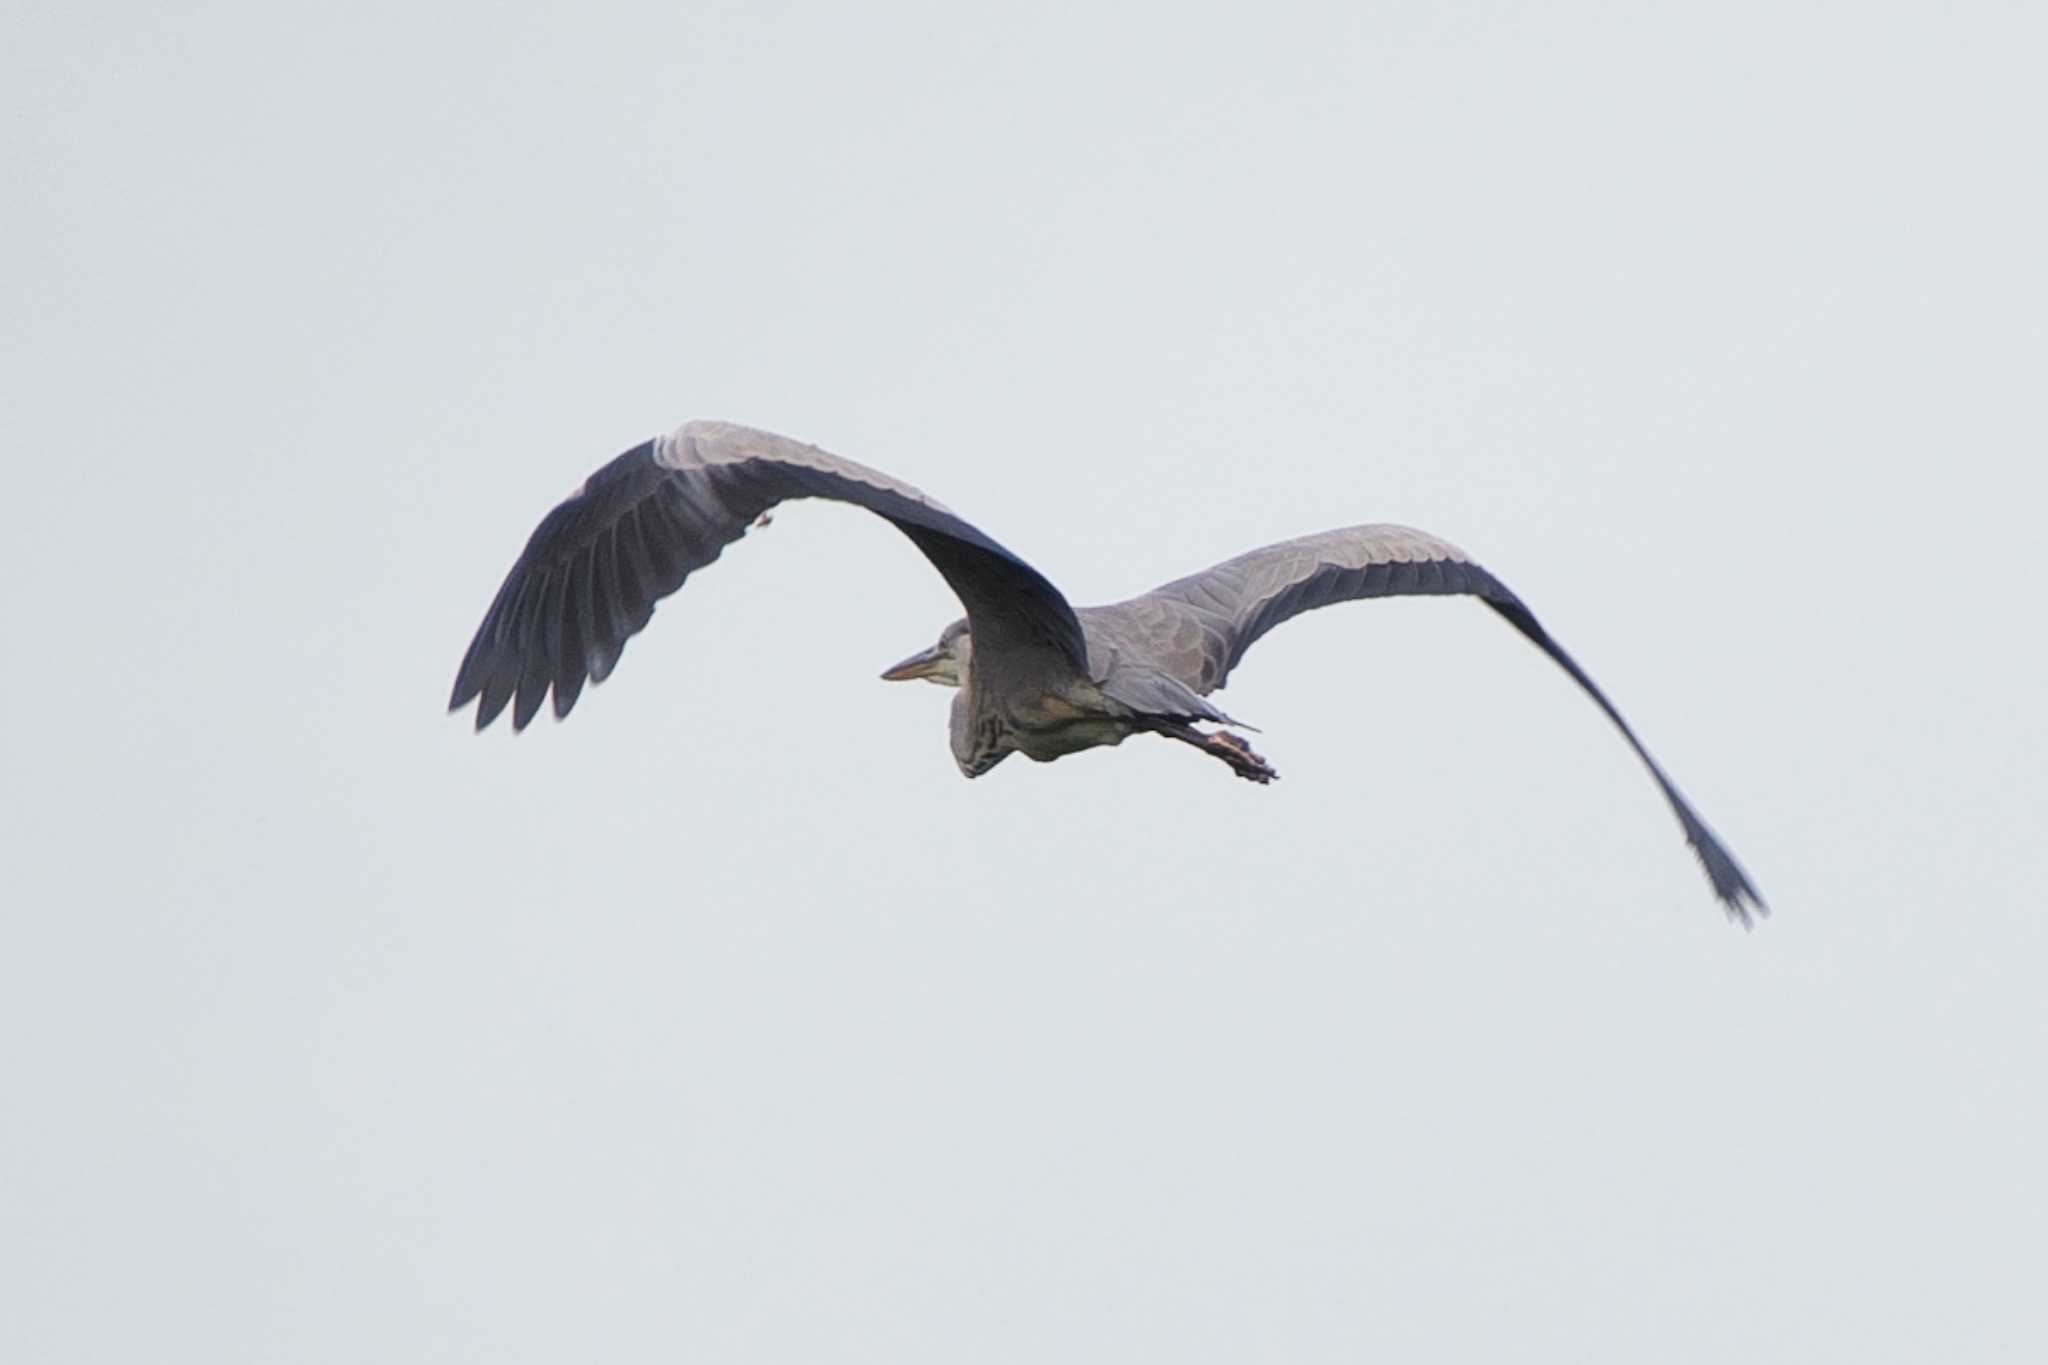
pixel 1032 674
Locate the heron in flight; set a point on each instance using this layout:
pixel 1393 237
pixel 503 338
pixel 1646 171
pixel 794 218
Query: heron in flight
pixel 1033 675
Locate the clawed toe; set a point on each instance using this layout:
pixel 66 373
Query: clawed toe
pixel 1237 752
pixel 1232 749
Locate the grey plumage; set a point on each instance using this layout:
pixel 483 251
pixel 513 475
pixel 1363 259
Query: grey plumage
pixel 637 528
pixel 1034 676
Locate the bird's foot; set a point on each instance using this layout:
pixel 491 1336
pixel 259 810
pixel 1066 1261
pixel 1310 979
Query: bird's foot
pixel 1237 752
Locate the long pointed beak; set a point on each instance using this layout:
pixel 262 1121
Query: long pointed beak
pixel 922 664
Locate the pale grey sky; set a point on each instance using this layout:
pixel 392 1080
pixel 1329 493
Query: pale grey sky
pixel 725 1022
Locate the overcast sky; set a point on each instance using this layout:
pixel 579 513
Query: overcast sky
pixel 725 1022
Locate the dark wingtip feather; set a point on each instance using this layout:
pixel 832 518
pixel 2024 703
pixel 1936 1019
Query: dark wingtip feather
pixel 1738 896
pixel 568 687
pixel 469 678
pixel 1731 884
pixel 495 694
pixel 1744 906
pixel 533 689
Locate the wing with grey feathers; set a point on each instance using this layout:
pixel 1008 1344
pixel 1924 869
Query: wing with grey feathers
pixel 594 568
pixel 1198 628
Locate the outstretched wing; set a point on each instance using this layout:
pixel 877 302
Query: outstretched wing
pixel 1198 628
pixel 594 568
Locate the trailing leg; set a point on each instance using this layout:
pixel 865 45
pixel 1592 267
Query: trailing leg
pixel 1232 749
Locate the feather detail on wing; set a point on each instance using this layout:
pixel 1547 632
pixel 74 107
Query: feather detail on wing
pixel 593 570
pixel 1199 627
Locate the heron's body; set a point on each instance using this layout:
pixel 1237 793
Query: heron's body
pixel 1112 699
pixel 987 729
pixel 1034 675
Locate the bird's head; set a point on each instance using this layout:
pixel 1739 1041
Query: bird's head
pixel 944 663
